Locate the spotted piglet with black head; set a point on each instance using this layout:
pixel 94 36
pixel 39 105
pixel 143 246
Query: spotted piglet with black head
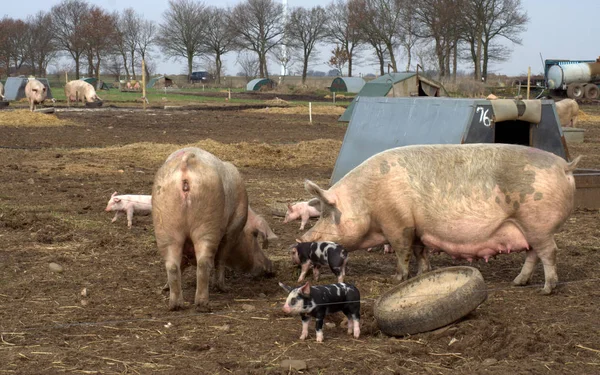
pixel 318 301
pixel 316 254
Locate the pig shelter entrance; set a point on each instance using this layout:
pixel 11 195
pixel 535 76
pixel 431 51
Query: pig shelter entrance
pixel 381 123
pixel 513 132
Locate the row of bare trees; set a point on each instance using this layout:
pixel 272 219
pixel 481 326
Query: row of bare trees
pixel 448 31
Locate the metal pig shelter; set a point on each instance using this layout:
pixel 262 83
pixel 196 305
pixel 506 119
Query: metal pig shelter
pixel 407 84
pixel 14 88
pixel 381 123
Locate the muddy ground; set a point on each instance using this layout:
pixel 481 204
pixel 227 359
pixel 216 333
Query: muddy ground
pixel 105 313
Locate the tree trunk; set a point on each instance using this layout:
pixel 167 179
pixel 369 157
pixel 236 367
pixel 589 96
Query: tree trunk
pixel 440 55
pixel 77 66
pixel 485 60
pixel 133 65
pixel 392 57
pixel 304 68
pixel 190 60
pixel 349 52
pixel 124 55
pixel 455 61
pixel 261 71
pixel 218 65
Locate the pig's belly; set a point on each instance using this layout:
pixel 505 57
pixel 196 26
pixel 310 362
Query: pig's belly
pixel 460 244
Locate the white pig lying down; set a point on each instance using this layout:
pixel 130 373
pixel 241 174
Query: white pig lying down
pixel 471 201
pixel 201 215
pixel 128 204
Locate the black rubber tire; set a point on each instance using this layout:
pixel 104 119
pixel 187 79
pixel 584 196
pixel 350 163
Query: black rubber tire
pixel 591 91
pixel 432 313
pixel 575 91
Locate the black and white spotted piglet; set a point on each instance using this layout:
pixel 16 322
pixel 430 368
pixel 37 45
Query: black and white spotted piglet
pixel 320 300
pixel 317 254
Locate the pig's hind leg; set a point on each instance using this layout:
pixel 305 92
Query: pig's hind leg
pixel 205 254
pixel 173 255
pixel 546 251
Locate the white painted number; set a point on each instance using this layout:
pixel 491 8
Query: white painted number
pixel 483 117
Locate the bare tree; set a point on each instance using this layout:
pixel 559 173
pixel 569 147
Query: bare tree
pixel 503 19
pixel 14 43
pixel 342 30
pixel 409 30
pixel 41 44
pixel 130 25
pixel 259 27
pixel 339 59
pixel 287 57
pixel 306 28
pixel 182 31
pixel 380 22
pixel 67 25
pixel 437 19
pixel 218 39
pixel 113 65
pixel 249 64
pixel 145 40
pixel 100 29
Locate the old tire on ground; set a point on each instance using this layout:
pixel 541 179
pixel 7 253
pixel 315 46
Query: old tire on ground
pixel 430 301
pixel 4 103
pixel 575 91
pixel 591 91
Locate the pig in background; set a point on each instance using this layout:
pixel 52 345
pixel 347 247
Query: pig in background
pixel 35 91
pixel 78 90
pixel 316 254
pixel 568 112
pixel 128 204
pixel 303 211
pixel 495 198
pixel 201 215
pixel 321 300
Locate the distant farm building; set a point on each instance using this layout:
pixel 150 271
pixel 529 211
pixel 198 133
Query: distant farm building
pixel 347 84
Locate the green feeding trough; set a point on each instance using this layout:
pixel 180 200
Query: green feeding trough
pixel 260 84
pixel 347 84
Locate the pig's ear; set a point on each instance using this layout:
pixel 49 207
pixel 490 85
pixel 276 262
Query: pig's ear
pixel 324 196
pixel 117 200
pixel 298 241
pixel 289 206
pixel 315 202
pixel 285 287
pixel 113 194
pixel 305 289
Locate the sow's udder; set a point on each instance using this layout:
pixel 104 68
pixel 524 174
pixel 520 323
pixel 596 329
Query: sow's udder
pixel 506 239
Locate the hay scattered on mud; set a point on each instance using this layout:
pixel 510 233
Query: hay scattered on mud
pixel 24 117
pixel 582 116
pixel 318 153
pixel 302 110
pixel 277 101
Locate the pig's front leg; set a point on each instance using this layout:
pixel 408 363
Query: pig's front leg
pixel 319 326
pixel 305 321
pixel 316 272
pixel 117 214
pixel 402 240
pixel 304 217
pixel 305 267
pixel 129 216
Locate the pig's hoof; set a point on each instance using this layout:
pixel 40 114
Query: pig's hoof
pixel 303 337
pixel 547 289
pixel 521 280
pixel 203 307
pixel 165 288
pixel 175 305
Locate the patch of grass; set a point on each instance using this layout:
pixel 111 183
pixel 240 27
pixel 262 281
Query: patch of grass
pixel 302 110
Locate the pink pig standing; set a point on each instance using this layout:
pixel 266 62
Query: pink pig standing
pixel 471 201
pixel 302 210
pixel 36 93
pixel 128 204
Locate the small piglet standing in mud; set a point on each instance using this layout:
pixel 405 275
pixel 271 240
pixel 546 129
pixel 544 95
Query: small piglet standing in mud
pixel 317 254
pixel 128 204
pixel 321 300
pixel 303 211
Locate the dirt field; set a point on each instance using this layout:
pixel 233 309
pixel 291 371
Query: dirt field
pixel 105 313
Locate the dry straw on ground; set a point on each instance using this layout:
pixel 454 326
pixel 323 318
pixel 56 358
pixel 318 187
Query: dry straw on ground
pixel 24 117
pixel 582 116
pixel 302 110
pixel 317 153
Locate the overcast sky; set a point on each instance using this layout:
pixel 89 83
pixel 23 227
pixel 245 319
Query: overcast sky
pixel 557 29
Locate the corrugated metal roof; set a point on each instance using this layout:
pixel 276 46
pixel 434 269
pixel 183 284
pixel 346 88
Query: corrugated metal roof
pixel 14 88
pixel 394 77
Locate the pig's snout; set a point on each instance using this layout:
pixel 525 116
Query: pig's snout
pixel 287 309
